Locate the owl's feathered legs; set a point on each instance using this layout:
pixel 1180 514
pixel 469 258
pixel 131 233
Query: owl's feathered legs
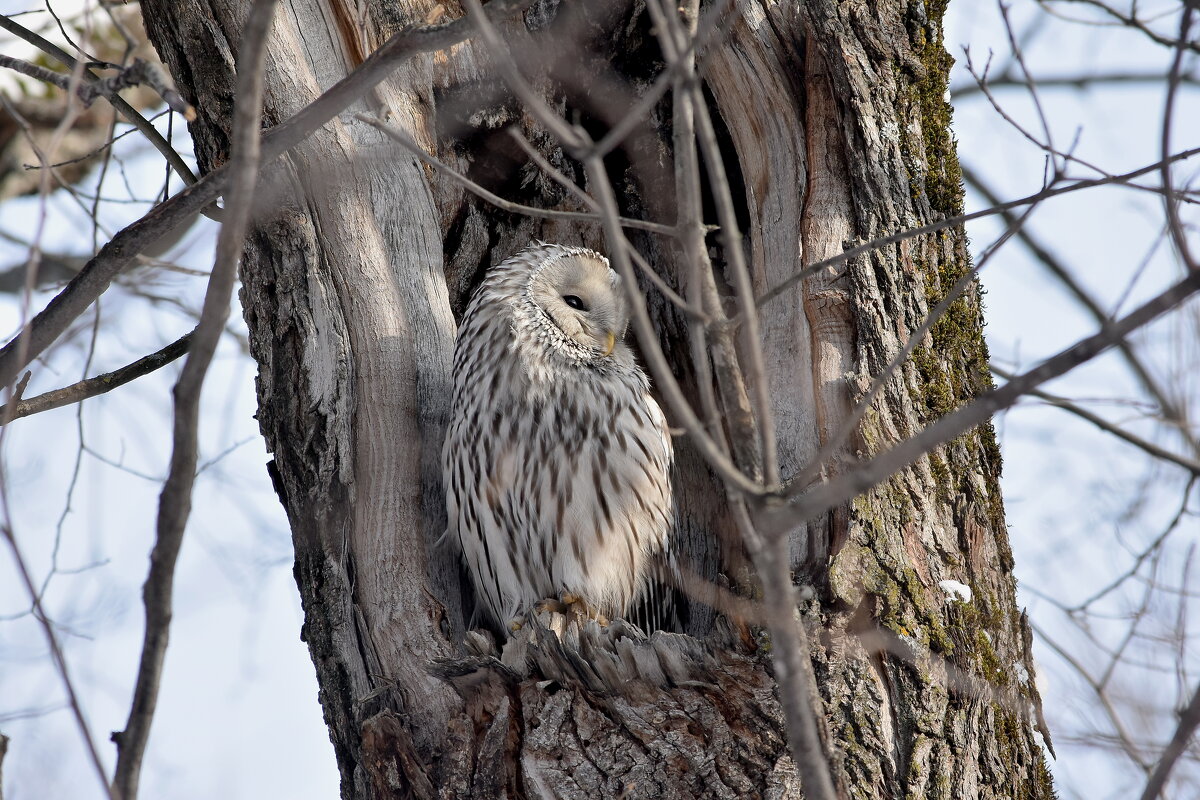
pixel 571 605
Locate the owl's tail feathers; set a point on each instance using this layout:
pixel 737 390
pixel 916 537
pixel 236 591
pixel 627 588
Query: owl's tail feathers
pixel 660 606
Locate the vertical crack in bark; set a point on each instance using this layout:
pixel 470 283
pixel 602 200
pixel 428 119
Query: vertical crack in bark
pixel 824 229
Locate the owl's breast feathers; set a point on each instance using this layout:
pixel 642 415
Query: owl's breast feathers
pixel 556 465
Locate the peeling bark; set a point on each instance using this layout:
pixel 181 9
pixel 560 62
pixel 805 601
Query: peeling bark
pixel 836 130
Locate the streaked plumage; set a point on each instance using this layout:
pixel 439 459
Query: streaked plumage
pixel 556 458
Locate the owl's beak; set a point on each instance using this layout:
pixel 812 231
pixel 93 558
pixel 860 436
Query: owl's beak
pixel 612 342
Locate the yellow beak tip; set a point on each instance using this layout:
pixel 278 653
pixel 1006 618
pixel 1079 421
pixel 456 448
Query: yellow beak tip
pixel 612 343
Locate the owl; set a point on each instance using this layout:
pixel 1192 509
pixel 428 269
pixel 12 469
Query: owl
pixel 556 459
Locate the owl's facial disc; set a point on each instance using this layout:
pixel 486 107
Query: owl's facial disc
pixel 585 301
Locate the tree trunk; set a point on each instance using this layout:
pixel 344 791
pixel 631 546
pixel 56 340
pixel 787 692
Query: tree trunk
pixel 835 129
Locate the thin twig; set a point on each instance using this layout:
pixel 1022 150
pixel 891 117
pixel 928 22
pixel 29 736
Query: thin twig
pixel 1170 200
pixel 735 257
pixel 820 498
pixel 1019 57
pixel 401 137
pixel 136 74
pixel 1189 719
pixel 1131 21
pixel 180 209
pixel 1190 464
pixel 1080 82
pixel 950 222
pixel 175 502
pixel 98 385
pixel 984 84
pixel 129 112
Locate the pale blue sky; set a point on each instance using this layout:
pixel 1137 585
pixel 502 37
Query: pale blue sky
pixel 239 716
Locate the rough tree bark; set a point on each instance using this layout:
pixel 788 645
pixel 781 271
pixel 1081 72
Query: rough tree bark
pixel 835 127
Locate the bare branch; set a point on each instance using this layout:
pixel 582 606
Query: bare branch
pixel 93 387
pixel 1132 21
pixel 402 138
pixel 1190 464
pixel 807 504
pixel 1019 57
pixel 115 256
pixel 138 73
pixel 129 112
pixel 1189 719
pixel 175 502
pixel 1079 82
pixel 950 222
pixel 1064 276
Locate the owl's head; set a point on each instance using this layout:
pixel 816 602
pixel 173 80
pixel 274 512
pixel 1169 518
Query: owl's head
pixel 584 299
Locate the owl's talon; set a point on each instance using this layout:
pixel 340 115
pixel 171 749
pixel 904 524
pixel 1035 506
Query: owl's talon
pixel 582 609
pixel 551 605
pixel 516 625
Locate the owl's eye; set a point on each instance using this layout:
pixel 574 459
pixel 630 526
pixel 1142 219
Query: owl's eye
pixel 574 302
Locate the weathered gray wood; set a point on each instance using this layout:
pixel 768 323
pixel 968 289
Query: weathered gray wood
pixel 835 116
